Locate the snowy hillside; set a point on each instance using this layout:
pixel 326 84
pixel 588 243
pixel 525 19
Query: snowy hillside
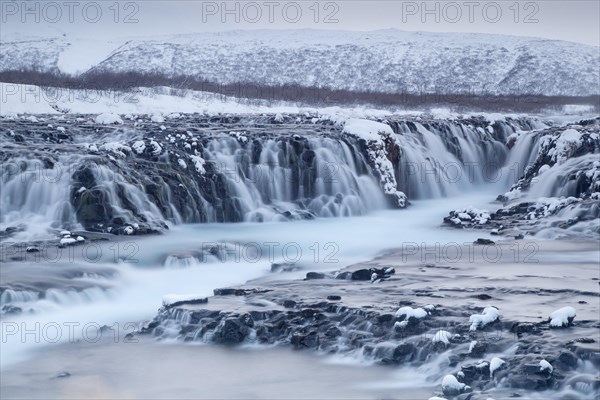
pixel 387 60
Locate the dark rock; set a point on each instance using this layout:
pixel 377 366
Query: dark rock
pixel 344 275
pixel 484 241
pixel 203 300
pixel 361 275
pixel 284 267
pixel 567 361
pixel 229 292
pixel 230 331
pixel 404 352
pixel 334 297
pixel 289 303
pixel 315 275
pixel 305 338
pixel 479 348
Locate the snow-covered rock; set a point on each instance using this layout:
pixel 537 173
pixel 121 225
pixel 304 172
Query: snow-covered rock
pixel 495 364
pixel 545 366
pixel 108 118
pixel 489 315
pixel 376 134
pixel 562 317
pixel 442 337
pixel 139 146
pixel 409 312
pixel 157 118
pixel 452 387
pixel 199 163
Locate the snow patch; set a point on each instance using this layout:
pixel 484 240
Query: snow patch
pixel 489 315
pixel 562 317
pixel 108 118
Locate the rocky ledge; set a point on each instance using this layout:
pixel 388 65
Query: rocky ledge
pixel 475 335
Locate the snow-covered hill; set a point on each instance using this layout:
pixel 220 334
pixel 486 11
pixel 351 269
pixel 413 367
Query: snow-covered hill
pixel 387 60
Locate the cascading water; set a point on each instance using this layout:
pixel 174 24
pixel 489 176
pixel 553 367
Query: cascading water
pixel 137 178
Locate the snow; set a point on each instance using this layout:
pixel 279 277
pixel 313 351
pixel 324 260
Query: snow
pixel 139 146
pixel 546 206
pixel 472 345
pixel 65 232
pixel 129 230
pixel 151 101
pixel 450 383
pixel 566 144
pixel 471 213
pixel 546 366
pixel 80 239
pixel 67 240
pixel 182 163
pixel 156 148
pixel 199 164
pixel 157 118
pixel 116 148
pixel 464 216
pixel 495 363
pixel 392 56
pixel 81 54
pixel 372 131
pixel 489 315
pixel 560 318
pixel 442 336
pixel 410 312
pixel 60 128
pixel 108 118
pixel 366 129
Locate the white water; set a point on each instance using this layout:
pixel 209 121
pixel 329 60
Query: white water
pixel 136 292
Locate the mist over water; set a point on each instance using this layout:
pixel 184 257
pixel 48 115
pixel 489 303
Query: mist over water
pixel 135 292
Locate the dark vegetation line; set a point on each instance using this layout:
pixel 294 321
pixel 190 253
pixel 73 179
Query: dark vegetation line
pixel 314 96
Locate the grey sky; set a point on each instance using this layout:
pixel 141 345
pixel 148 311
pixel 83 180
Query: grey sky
pixel 576 21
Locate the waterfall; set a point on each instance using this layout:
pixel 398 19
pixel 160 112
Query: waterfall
pixel 139 179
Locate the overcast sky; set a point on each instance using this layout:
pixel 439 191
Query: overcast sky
pixel 576 21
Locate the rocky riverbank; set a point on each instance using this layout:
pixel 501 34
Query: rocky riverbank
pixel 491 332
